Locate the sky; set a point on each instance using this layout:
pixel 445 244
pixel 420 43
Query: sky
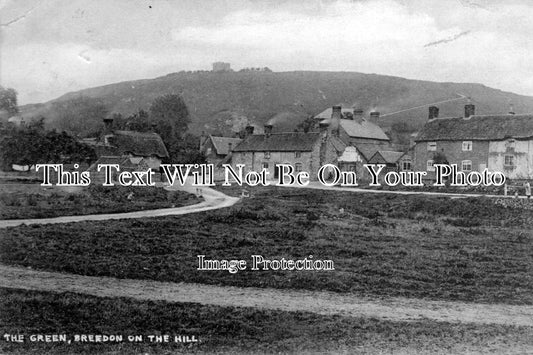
pixel 51 47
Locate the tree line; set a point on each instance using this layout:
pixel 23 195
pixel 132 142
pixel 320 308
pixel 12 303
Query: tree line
pixel 57 139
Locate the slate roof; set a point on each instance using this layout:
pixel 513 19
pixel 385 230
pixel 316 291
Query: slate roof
pixel 138 143
pixel 389 156
pixel 221 144
pixel 363 129
pixel 278 142
pixel 355 128
pixel 478 127
pixel 367 150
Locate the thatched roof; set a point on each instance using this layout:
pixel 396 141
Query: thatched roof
pixel 478 127
pixel 138 143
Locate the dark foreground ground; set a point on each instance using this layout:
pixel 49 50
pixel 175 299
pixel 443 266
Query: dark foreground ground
pixel 473 250
pixel 232 329
pixel 30 200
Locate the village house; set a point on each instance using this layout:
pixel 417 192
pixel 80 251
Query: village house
pixel 304 151
pixel 394 161
pixel 355 129
pixel 501 143
pixel 116 143
pixel 216 149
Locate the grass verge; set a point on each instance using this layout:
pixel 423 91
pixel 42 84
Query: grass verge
pixel 18 201
pixel 382 245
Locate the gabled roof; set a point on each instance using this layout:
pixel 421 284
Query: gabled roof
pixel 338 144
pixel 125 163
pixel 389 156
pixel 363 129
pixel 478 127
pixel 278 142
pixel 138 143
pixel 355 128
pixel 222 144
pixel 367 150
pixel 350 155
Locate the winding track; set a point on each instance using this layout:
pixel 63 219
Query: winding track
pixel 319 302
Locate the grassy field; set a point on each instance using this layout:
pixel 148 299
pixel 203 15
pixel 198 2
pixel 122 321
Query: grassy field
pixel 471 250
pixel 232 330
pixel 34 201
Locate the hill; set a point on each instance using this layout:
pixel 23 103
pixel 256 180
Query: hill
pixel 218 100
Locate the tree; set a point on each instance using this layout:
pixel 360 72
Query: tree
pixel 306 125
pixel 8 100
pixel 171 109
pixel 32 145
pixel 171 118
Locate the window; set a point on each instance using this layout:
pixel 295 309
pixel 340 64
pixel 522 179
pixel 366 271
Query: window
pixel 406 165
pixel 509 160
pixel 466 165
pixel 432 146
pixel 429 165
pixel 510 144
pixel 265 165
pixel 297 154
pixel 298 167
pixel 467 146
pixel 267 155
pixel 208 151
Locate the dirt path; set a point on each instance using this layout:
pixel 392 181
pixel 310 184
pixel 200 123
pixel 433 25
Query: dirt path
pixel 212 200
pixel 318 186
pixel 320 302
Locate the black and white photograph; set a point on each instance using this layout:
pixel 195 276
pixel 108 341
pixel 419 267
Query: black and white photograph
pixel 266 177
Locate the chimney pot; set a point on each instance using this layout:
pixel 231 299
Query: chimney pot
pixel 108 124
pixel 249 130
pixel 374 115
pixel 433 112
pixel 268 129
pixel 470 110
pixel 336 114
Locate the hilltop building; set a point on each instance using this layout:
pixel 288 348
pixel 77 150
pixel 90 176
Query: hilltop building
pixel 501 143
pixel 221 67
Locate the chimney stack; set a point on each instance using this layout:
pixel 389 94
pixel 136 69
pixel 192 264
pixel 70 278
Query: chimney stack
pixel 511 109
pixel 249 130
pixel 108 125
pixel 336 114
pixel 433 112
pixel 358 114
pixel 374 115
pixel 268 129
pixel 470 110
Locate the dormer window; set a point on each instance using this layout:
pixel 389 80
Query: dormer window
pixel 467 146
